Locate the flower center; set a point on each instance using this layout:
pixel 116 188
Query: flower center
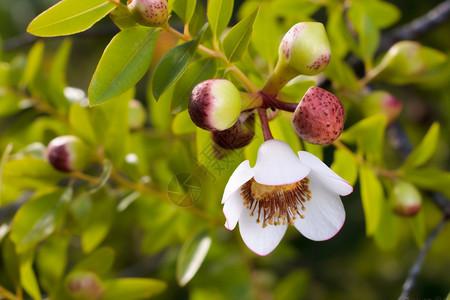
pixel 276 204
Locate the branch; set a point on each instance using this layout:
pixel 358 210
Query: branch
pixel 416 268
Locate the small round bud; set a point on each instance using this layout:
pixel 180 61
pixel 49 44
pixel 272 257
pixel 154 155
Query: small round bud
pixel 83 285
pixel 406 199
pixel 319 117
pixel 237 136
pixel 215 104
pixel 305 48
pixel 149 12
pixel 68 153
pixel 382 102
pixel 137 115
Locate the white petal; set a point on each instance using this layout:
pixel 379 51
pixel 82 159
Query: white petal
pixel 277 164
pixel 260 240
pixel 326 175
pixel 241 175
pixel 232 209
pixel 324 214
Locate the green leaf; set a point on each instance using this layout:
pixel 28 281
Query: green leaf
pixel 38 219
pixel 391 14
pixel 293 286
pixel 386 234
pixel 3 161
pixel 428 179
pixel 132 288
pixel 236 41
pixel 125 60
pixel 34 62
pixel 418 227
pixel 281 128
pixel 81 124
pixel 59 64
pixel 219 14
pixel 184 9
pixel 69 17
pixel 345 165
pixel 426 148
pixel 191 257
pixel 197 72
pixel 28 278
pixel 173 64
pixel 104 177
pixel 266 31
pixel 100 261
pixel 372 197
pixel 182 123
pixel 10 264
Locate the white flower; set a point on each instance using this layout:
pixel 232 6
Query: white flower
pixel 280 190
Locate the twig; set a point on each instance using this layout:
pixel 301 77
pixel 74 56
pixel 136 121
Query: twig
pixel 416 268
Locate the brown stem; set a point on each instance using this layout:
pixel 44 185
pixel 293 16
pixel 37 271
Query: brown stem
pixel 273 102
pixel 265 124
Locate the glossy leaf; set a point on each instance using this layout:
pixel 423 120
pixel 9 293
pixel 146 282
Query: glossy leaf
pixel 184 9
pixel 372 197
pixel 28 278
pixel 191 257
pixel 219 14
pixel 265 33
pixel 69 17
pixel 172 65
pixel 81 123
pixel 39 218
pixel 132 288
pixel 345 165
pixel 425 150
pixel 125 60
pixel 387 235
pixel 195 73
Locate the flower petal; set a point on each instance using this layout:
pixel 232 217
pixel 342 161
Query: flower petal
pixel 277 164
pixel 260 240
pixel 232 209
pixel 326 175
pixel 241 175
pixel 324 214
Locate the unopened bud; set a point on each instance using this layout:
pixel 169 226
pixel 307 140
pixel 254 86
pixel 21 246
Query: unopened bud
pixel 68 153
pixel 237 136
pixel 319 117
pixel 406 199
pixel 382 102
pixel 137 115
pixel 149 12
pixel 83 285
pixel 215 104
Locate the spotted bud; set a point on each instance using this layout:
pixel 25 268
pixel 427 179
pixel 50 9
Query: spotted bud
pixel 382 102
pixel 215 104
pixel 68 153
pixel 319 117
pixel 149 12
pixel 406 199
pixel 83 285
pixel 137 115
pixel 237 136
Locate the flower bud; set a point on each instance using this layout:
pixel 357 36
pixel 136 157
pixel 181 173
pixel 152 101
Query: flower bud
pixel 406 61
pixel 237 136
pixel 319 117
pixel 382 102
pixel 406 199
pixel 84 285
pixel 215 104
pixel 137 115
pixel 149 12
pixel 68 153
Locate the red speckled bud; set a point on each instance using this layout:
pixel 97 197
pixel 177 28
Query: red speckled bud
pixel 68 153
pixel 149 12
pixel 215 104
pixel 319 117
pixel 406 199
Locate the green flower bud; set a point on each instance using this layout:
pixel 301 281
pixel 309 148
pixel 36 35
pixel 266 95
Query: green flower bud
pixel 68 153
pixel 83 285
pixel 237 136
pixel 149 12
pixel 319 117
pixel 406 199
pixel 406 61
pixel 215 104
pixel 137 116
pixel 382 102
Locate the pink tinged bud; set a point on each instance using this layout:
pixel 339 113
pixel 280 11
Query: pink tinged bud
pixel 237 136
pixel 319 117
pixel 382 102
pixel 305 48
pixel 149 12
pixel 68 153
pixel 137 116
pixel 84 285
pixel 406 199
pixel 215 104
